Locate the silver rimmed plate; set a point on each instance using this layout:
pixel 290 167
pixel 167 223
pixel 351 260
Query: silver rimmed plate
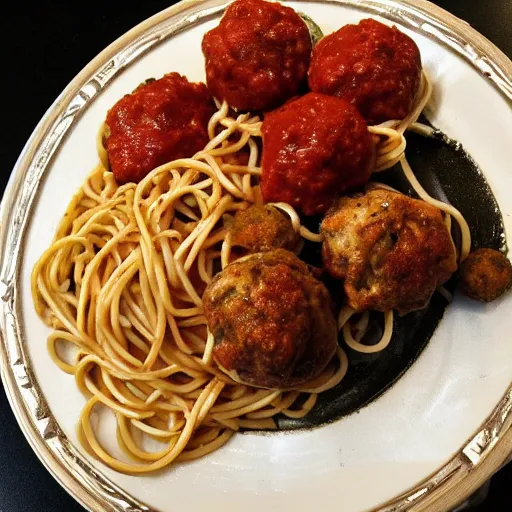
pixel 444 421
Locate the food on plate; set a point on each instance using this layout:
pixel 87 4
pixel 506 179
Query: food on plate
pixel 262 228
pixel 178 331
pixel 160 121
pixel 314 149
pixel 272 321
pixel 389 250
pixel 374 67
pixel 485 275
pixel 258 56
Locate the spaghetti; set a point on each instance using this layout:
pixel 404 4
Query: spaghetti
pixel 122 283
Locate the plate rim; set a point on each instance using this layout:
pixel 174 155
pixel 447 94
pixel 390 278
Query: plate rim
pixel 87 485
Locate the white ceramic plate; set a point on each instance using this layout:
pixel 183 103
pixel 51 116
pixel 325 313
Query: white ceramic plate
pixel 444 415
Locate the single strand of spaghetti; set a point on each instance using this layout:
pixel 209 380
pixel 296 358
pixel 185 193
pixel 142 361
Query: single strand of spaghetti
pixel 305 408
pixel 445 293
pixel 95 287
pixel 153 431
pixel 336 378
pixel 422 129
pixel 423 98
pixel 225 253
pixel 304 232
pixel 248 408
pixel 236 179
pixel 208 351
pixel 240 169
pixel 136 340
pixel 52 349
pixel 370 349
pixel 202 268
pixel 207 448
pixel 214 120
pixel 447 208
pixel 192 321
pixel 362 325
pixel 344 316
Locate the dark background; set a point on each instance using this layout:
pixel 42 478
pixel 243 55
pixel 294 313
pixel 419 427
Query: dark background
pixel 43 47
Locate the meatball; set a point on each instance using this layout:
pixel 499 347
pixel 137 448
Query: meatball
pixel 162 120
pixel 314 148
pixel 263 228
pixel 272 321
pixel 374 67
pixel 390 250
pixel 258 56
pixel 485 275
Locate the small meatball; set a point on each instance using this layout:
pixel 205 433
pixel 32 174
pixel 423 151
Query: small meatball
pixel 272 321
pixel 258 56
pixel 485 275
pixel 263 228
pixel 390 250
pixel 374 67
pixel 162 120
pixel 314 148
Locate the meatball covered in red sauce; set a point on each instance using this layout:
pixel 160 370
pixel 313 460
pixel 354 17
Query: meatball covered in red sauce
pixel 390 251
pixel 162 120
pixel 272 321
pixel 314 148
pixel 374 67
pixel 258 56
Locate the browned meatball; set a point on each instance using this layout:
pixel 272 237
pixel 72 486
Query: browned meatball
pixel 374 67
pixel 390 250
pixel 272 321
pixel 263 228
pixel 258 56
pixel 485 275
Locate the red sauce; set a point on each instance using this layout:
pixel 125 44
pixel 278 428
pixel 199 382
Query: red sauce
pixel 258 56
pixel 374 67
pixel 160 121
pixel 314 148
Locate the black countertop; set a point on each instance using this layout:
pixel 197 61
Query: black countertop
pixel 44 46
